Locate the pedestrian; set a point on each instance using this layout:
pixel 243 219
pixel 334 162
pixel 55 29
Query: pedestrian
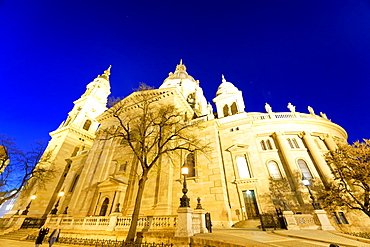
pixel 44 230
pixel 54 236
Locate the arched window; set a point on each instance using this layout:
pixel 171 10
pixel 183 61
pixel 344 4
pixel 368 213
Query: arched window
pixel 104 207
pixel 87 124
pixel 304 169
pixel 226 110
pixel 263 146
pixel 243 168
pixel 74 183
pixel 295 143
pixel 234 108
pixel 290 143
pixel 268 144
pixel 274 170
pixel 190 163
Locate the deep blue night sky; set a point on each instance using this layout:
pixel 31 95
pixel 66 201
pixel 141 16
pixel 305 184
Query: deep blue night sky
pixel 309 53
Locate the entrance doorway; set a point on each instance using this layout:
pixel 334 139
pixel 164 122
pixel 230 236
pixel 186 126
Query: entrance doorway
pixel 251 206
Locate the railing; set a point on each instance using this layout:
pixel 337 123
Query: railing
pixel 286 115
pixel 167 222
pixel 101 242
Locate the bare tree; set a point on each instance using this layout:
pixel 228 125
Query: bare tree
pixel 151 128
pixel 23 168
pixel 351 168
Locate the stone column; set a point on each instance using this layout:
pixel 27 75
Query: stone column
pixel 322 166
pixel 324 220
pixel 291 222
pixel 329 141
pixel 184 222
pixel 289 160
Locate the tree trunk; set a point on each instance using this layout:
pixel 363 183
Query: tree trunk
pixel 135 216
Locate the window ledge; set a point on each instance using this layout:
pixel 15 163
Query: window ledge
pixel 245 181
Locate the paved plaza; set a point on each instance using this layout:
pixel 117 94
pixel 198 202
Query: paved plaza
pixel 247 237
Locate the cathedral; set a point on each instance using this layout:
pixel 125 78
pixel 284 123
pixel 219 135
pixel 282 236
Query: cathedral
pixel 251 153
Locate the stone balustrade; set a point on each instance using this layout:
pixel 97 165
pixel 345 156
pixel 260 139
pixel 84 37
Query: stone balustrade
pixel 166 222
pixel 283 115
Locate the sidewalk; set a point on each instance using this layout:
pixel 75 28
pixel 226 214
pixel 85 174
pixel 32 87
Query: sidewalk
pixel 248 237
pixel 330 237
pixel 15 243
pixel 237 237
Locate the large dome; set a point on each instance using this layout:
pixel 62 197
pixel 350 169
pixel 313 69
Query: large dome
pixel 180 73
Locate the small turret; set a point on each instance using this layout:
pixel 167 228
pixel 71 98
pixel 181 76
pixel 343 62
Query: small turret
pixel 228 100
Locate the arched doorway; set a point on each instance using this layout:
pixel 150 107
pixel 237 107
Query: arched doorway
pixel 104 207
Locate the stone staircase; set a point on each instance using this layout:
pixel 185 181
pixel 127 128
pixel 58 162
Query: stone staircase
pixel 249 224
pixel 20 234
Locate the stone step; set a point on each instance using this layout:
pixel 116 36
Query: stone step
pixel 19 234
pixel 249 224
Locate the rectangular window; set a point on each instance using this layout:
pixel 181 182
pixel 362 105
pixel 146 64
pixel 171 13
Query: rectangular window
pixel 243 168
pixel 335 216
pixel 343 218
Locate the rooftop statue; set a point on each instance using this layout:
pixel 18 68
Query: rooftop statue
pixel 291 107
pixel 268 108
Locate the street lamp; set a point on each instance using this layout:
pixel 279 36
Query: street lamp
pixel 315 205
pixel 184 200
pixel 55 209
pixel 25 212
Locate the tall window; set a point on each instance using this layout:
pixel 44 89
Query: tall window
pixel 304 169
pixel 226 110
pixel 75 151
pixel 263 146
pixel 290 143
pixel 234 108
pixel 104 207
pixel 190 163
pixel 243 168
pixel 268 144
pixel 74 183
pixel 87 124
pixel 295 143
pixel 274 170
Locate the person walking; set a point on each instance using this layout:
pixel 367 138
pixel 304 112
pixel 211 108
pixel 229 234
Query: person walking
pixel 54 236
pixel 44 230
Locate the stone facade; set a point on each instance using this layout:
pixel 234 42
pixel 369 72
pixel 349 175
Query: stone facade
pixel 248 151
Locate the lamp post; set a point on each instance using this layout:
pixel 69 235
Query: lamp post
pixel 184 200
pixel 315 205
pixel 25 212
pixel 55 209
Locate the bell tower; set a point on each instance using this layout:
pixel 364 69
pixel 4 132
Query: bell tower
pixel 229 99
pixel 74 135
